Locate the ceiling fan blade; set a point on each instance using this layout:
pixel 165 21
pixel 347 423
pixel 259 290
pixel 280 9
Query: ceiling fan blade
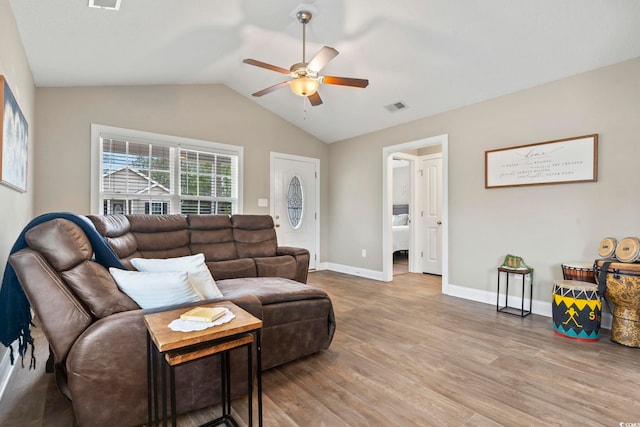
pixel 315 99
pixel 322 58
pixel 344 81
pixel 271 88
pixel 267 66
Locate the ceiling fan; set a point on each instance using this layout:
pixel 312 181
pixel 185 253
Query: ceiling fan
pixel 304 78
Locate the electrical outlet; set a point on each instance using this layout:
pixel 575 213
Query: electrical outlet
pixel 364 253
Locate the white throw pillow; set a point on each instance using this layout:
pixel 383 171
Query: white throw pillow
pixel 199 274
pixel 401 219
pixel 151 290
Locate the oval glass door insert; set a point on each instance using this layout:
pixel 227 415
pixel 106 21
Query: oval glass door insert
pixel 295 202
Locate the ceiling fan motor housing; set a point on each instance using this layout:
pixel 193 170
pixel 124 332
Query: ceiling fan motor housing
pixel 300 70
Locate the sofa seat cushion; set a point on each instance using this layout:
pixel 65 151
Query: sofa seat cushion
pixel 298 319
pixel 269 290
pixel 277 266
pixel 231 269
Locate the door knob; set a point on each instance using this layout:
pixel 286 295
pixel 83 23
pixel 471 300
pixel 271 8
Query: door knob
pixel 277 225
pixel 438 222
pixel 277 216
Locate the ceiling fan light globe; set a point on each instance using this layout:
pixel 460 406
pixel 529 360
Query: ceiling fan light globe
pixel 304 86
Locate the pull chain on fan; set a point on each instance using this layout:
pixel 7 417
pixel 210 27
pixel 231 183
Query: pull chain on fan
pixel 304 79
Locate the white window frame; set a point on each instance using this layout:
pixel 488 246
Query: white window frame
pixel 102 131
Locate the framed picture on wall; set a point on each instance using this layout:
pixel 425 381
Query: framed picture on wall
pixel 14 132
pixel 561 161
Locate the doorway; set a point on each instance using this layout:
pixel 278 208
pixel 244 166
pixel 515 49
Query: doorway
pixel 401 224
pixel 413 148
pixel 295 203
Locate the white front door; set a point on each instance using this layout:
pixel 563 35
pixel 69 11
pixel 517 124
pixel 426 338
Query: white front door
pixel 294 191
pixel 431 214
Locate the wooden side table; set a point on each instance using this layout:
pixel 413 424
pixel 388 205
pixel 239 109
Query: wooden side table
pixel 518 311
pixel 170 348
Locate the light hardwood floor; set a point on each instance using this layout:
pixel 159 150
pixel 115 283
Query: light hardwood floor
pixel 404 354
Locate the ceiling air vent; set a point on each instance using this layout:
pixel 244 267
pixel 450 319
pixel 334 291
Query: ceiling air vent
pixel 105 4
pixel 396 106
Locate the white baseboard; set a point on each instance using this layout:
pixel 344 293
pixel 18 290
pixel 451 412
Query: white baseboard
pixel 354 271
pixel 6 369
pixel 321 266
pixel 543 308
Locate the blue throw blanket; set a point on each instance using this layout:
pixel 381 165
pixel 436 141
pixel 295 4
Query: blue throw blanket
pixel 15 313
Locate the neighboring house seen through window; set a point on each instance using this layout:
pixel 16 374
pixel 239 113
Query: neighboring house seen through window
pixel 156 208
pixel 142 173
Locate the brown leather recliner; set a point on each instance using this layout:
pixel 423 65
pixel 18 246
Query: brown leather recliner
pixel 97 334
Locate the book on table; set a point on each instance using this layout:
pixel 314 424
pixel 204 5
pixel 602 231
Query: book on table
pixel 204 314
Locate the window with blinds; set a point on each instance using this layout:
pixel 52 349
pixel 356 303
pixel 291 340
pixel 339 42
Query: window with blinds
pixel 143 177
pixel 206 182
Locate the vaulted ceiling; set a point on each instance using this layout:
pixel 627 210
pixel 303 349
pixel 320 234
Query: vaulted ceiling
pixel 431 55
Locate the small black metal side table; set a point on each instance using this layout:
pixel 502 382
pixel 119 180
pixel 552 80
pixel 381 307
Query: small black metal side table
pixel 168 348
pixel 506 308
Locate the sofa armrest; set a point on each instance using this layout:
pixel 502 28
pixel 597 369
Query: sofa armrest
pixel 302 260
pixel 61 314
pixel 290 250
pixel 108 363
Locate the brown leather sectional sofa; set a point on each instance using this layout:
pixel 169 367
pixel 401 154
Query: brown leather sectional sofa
pixel 97 334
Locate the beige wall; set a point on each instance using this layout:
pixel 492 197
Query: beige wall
pixel 209 112
pixel 16 208
pixel 401 185
pixel 547 224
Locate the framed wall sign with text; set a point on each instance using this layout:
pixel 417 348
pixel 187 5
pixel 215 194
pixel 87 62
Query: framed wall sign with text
pixel 554 162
